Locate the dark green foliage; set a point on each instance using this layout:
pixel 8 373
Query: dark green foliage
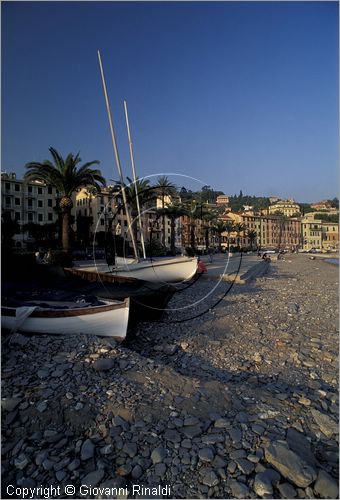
pixel 327 217
pixel 334 202
pixel 306 208
pixel 237 202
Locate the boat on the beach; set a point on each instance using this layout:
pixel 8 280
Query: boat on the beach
pixel 165 270
pixel 161 270
pixel 81 315
pixel 147 300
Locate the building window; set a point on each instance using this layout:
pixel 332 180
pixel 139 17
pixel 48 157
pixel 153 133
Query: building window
pixel 125 223
pixel 30 203
pixel 17 201
pixel 40 191
pixel 102 222
pixel 30 217
pixel 8 200
pixel 40 203
pixel 8 186
pixel 40 217
pixel 49 189
pixel 30 189
pixel 17 215
pixel 49 202
pixel 50 216
pixel 17 187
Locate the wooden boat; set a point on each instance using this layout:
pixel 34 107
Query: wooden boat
pixel 147 300
pixel 161 270
pixel 109 318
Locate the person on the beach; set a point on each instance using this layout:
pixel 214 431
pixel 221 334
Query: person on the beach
pixel 38 257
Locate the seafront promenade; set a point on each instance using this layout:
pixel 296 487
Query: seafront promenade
pixel 234 394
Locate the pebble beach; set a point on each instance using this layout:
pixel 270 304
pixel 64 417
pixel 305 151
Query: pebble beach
pixel 234 394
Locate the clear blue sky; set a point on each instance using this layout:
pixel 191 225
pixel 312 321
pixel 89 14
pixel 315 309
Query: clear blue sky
pixel 239 95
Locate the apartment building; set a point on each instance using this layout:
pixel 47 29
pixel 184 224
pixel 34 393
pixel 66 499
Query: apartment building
pixel 28 202
pixel 271 231
pixel 318 234
pixel 107 213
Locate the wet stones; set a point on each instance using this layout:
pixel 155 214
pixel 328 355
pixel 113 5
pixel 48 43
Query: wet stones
pixel 325 486
pixel 158 455
pixel 87 450
pixel 103 364
pixel 326 424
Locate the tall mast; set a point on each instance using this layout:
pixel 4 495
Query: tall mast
pixel 134 177
pixel 117 158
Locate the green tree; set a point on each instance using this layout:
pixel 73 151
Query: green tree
pixel 67 177
pixel 9 228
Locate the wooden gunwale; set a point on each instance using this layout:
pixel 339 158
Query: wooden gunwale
pixel 94 275
pixel 65 313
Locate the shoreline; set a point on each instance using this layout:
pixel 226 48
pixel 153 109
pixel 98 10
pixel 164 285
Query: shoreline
pixel 200 405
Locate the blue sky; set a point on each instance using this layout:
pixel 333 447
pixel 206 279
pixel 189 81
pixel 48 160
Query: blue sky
pixel 241 95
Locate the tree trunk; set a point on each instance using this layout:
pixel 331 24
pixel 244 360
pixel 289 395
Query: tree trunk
pixel 220 242
pixel 192 236
pixel 163 222
pixel 207 238
pixel 66 230
pixel 172 236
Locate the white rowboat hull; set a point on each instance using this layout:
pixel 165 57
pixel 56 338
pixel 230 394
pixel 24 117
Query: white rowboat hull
pixel 110 320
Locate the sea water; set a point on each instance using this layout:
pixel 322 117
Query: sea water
pixel 333 261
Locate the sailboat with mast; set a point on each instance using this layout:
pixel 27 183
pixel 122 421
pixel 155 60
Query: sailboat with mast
pixel 172 269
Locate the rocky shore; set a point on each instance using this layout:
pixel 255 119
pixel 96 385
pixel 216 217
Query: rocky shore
pixel 240 401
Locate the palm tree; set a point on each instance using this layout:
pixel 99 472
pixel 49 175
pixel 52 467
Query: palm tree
pixel 173 211
pixel 219 228
pixel 239 228
pixel 67 178
pixel 229 228
pixel 194 212
pixel 252 237
pixel 209 217
pixel 164 187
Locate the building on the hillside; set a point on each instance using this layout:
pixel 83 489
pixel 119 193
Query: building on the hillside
pixel 222 200
pixel 314 215
pixel 321 205
pixel 28 202
pixel 289 208
pixel 274 199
